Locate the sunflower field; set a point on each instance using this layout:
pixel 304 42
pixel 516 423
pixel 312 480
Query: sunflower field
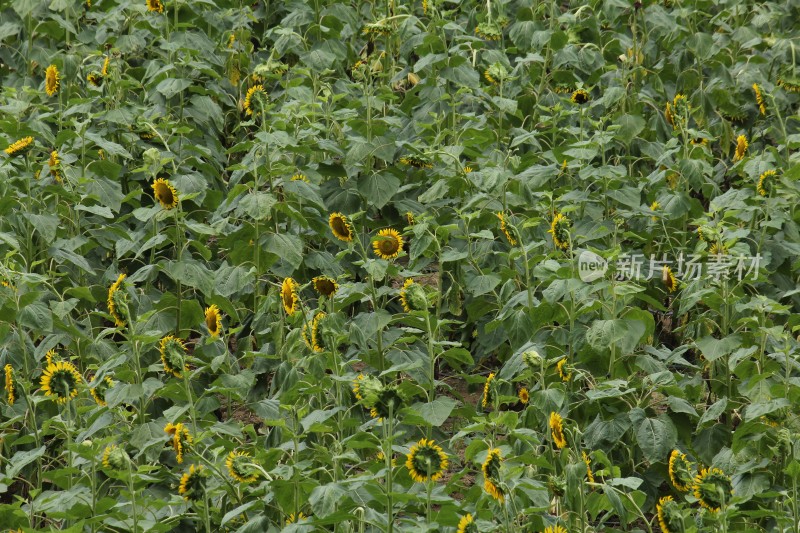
pixel 449 265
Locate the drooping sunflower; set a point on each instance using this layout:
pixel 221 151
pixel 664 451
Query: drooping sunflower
pixel 426 461
pixel 588 461
pixel 668 278
pixel 580 97
pixel 488 391
pixel 668 116
pixel 155 5
pixel 115 297
pixel 98 392
pixel 52 357
pixel 557 430
pixel 54 164
pixel 655 206
pixel 95 78
pixel 325 286
pixel 741 148
pixel 357 386
pixel 289 296
pixel 192 483
pixel 20 146
pixel 764 182
pixel 410 218
pixel 416 161
pixel 524 396
pixel 762 107
pixel 313 339
pixel 104 70
pixel 173 354
pixel 300 177
pixel 680 471
pixel 107 454
pixel 9 370
pixel 559 229
pixel 181 439
pixel 255 92
pixel 718 248
pixel 564 374
pixel 165 193
pixel 491 474
pixel 52 80
pixel 213 320
pixel 61 379
pixel 665 509
pixel 680 107
pixel 388 244
pixel 466 525
pixel 341 227
pixel 555 529
pixel 292 519
pixel 712 488
pixel 789 85
pixel 240 467
pixel 505 229
pixel 489 31
pixel 404 296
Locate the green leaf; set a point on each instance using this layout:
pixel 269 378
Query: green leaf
pixel 656 438
pixel 287 247
pixel 378 188
pixel 713 349
pixel 22 459
pixel 713 412
pixel 433 413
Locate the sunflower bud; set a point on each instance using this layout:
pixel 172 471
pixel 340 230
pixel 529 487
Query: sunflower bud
pixel 532 359
pixel 115 458
pixel 416 297
pixel 370 389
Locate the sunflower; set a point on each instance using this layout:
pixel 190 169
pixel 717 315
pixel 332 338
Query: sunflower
pixel 10 384
pixel 191 486
pixel 213 320
pixel 489 78
pixel 668 278
pixel 487 391
pixel 764 182
pixel 51 80
pixel 341 227
pixel 559 228
pixel 107 454
pixel 505 229
pixel 680 471
pixel 19 147
pixel 565 375
pixel 181 438
pixel 655 206
pixel 588 461
pixel 403 294
pixel 555 529
pixel 668 116
pixel 680 106
pixel 491 474
pixel 115 297
pixel 240 467
pixel 325 286
pixel 466 525
pixel 291 519
pixel 410 218
pixel 388 244
pixel 741 148
pixel 54 164
pixel 289 296
pixel 417 161
pixel 712 488
pixel 155 5
pixel 762 107
pixel 580 97
pixel 557 430
pixel 300 177
pixel 52 357
pixel 789 85
pixel 523 395
pixel 718 248
pixel 314 341
pixel 99 391
pixel 61 379
pixel 257 92
pixel 488 31
pixel 165 193
pixel 173 353
pixel 426 461
pixel 104 70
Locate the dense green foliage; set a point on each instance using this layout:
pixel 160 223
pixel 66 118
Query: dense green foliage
pixel 475 266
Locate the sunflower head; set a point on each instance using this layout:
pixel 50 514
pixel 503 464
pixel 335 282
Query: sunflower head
pixel 668 116
pixel 180 439
pixel 118 301
pixel 52 80
pixel 762 107
pixel 588 461
pixel 765 182
pixel 496 73
pixel 379 28
pixel 289 297
pixel 19 147
pixel 559 229
pixel 524 396
pixel 115 458
pixel 99 391
pixel 255 94
pixel 532 359
pixel 426 461
pixel 54 164
pixel 325 286
pixel 106 63
pixel 173 355
pixel 555 529
pixel 668 278
pixel 681 471
pixel 416 161
pixel 240 467
pixel 712 488
pixel 488 391
pixel 314 339
pixel 192 483
pixel 341 227
pixel 9 382
pixel 564 373
pixel 388 244
pixel 293 519
pixel 467 525
pixel 213 320
pixel 388 403
pixel 165 193
pixel 655 206
pixel 557 430
pixel 491 474
pixel 61 379
pixel 489 31
pixel 741 148
pixel 668 513
pixel 680 109
pixel 506 229
pixel 580 97
pixel 155 6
